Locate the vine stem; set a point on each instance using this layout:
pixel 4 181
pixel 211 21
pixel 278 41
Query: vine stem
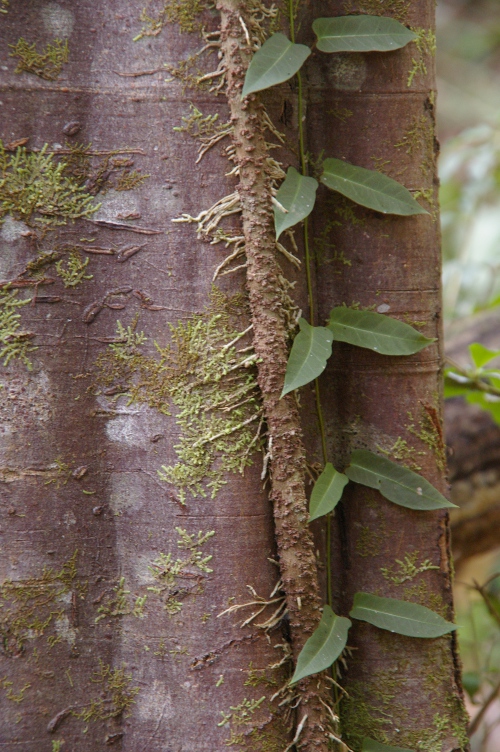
pixel 310 295
pixel 298 565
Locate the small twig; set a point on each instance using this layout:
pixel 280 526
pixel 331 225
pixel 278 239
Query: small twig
pixel 474 724
pixel 484 595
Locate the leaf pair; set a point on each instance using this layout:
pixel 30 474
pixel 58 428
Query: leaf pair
pixel 330 637
pixel 297 194
pixel 279 59
pixel 313 344
pixel 395 482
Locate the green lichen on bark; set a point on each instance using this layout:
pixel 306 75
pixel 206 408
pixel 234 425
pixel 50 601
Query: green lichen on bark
pixel 47 64
pixel 170 573
pixel 34 188
pixel 14 342
pixel 208 378
pixel 29 607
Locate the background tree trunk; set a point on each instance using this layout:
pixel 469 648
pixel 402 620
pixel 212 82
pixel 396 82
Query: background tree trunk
pixel 380 114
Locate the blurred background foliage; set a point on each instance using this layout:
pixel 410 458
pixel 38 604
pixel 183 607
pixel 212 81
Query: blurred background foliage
pixel 469 128
pixel 468 64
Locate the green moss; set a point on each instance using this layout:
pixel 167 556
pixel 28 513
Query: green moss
pixel 396 8
pixel 120 605
pixel 251 728
pixel 116 695
pixel 360 718
pixel 423 595
pixel 4 6
pixel 56 745
pixel 430 433
pixel 169 573
pixel 371 540
pixel 407 569
pixel 196 124
pixel 34 187
pixel 208 380
pixel 10 693
pixel 426 47
pixel 128 180
pixel 72 271
pixel 183 12
pixel 31 605
pixel 341 113
pixel 432 739
pixel 404 453
pixel 14 342
pixel 257 676
pixel 47 64
pixel 418 140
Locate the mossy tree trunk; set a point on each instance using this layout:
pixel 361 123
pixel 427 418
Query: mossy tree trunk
pixel 85 517
pixel 127 526
pixel 381 115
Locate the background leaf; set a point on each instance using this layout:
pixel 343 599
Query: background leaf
pixel 327 492
pixel 276 61
pixel 400 617
pixel 369 188
pixel 361 34
pixel 324 646
pixel 310 350
pixel 396 483
pixel 369 745
pixel 375 331
pixel 481 355
pixel 297 194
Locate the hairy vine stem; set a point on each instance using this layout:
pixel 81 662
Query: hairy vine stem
pixel 288 465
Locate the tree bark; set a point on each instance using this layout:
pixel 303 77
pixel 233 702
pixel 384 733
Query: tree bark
pixel 84 513
pixel 391 406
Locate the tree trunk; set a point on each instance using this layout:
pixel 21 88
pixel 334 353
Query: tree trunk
pixel 87 523
pixel 380 115
pixel 134 401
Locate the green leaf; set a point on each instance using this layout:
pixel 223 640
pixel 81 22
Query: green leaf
pixel 369 188
pixel 396 483
pixel 400 617
pixel 324 646
pixel 481 355
pixel 327 492
pixel 488 402
pixel 276 61
pixel 375 331
pixel 297 195
pixel 361 34
pixel 310 350
pixel 369 745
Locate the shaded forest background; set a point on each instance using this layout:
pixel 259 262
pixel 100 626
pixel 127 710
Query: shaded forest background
pixel 468 52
